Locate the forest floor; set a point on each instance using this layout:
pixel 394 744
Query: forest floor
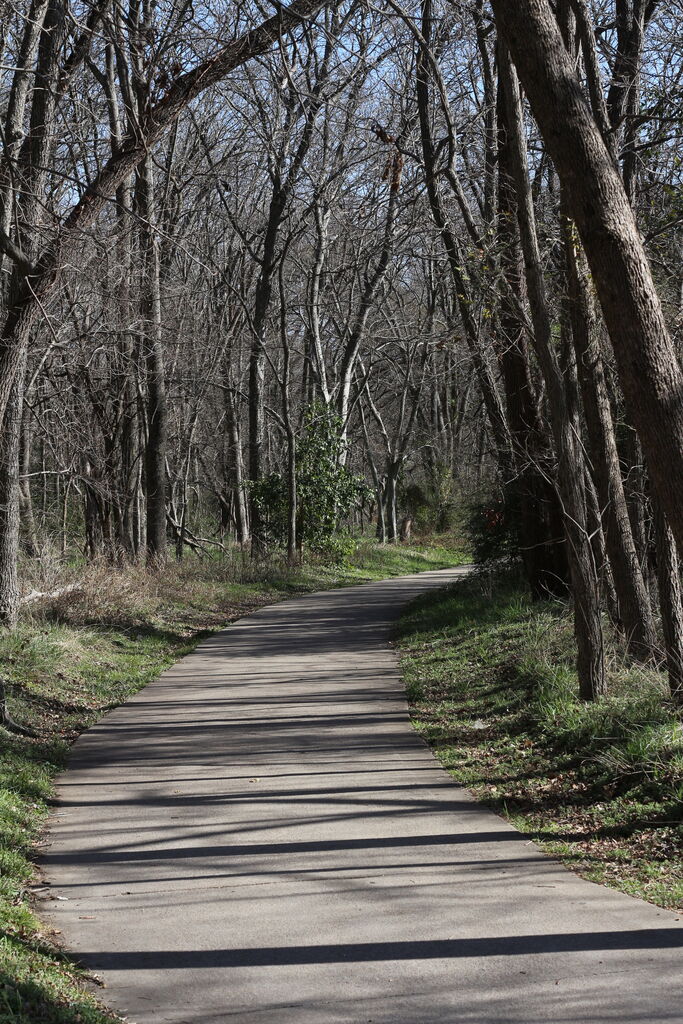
pixel 492 688
pixel 75 657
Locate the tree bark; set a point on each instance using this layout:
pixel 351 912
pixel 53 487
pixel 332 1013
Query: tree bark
pixel 530 492
pixel 571 466
pixel 285 175
pixel 157 413
pixel 236 467
pixel 670 602
pixel 651 377
pixel 30 533
pixel 9 503
pixel 633 600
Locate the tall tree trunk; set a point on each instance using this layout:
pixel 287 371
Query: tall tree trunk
pixel 391 518
pixel 294 541
pixel 9 503
pixel 633 600
pixel 670 602
pixel 131 476
pixel 236 466
pixel 530 492
pixel 372 285
pixel 30 532
pixel 600 557
pixel 571 466
pixel 322 214
pixel 157 413
pixel 635 489
pixel 381 532
pixel 284 178
pixel 257 377
pixel 23 180
pixel 651 377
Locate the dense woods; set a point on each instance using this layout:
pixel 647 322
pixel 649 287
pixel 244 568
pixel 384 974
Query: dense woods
pixel 271 278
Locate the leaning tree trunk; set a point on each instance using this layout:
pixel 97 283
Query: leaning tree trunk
pixel 633 599
pixel 650 374
pixel 571 466
pixel 373 282
pixel 530 491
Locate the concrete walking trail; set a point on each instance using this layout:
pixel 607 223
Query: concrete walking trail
pixel 260 836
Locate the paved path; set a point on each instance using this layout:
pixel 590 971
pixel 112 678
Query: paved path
pixel 260 837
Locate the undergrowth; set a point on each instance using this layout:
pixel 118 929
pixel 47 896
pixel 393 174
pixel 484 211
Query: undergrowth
pixel 74 657
pixel 493 689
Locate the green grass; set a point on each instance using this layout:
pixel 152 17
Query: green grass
pixel 380 561
pixel 492 688
pixel 85 653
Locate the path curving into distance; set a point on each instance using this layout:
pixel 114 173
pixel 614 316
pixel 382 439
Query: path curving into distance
pixel 260 836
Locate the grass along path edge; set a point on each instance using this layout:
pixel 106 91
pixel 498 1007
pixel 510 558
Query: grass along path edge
pixel 73 659
pixel 492 689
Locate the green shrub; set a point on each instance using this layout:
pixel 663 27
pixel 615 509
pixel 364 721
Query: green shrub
pixel 326 489
pixel 336 550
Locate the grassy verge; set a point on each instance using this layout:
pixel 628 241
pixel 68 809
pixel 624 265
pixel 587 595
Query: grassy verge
pixel 377 561
pixel 75 657
pixel 492 689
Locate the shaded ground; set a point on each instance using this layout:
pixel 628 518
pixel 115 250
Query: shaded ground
pixel 72 659
pixel 492 689
pixel 261 835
